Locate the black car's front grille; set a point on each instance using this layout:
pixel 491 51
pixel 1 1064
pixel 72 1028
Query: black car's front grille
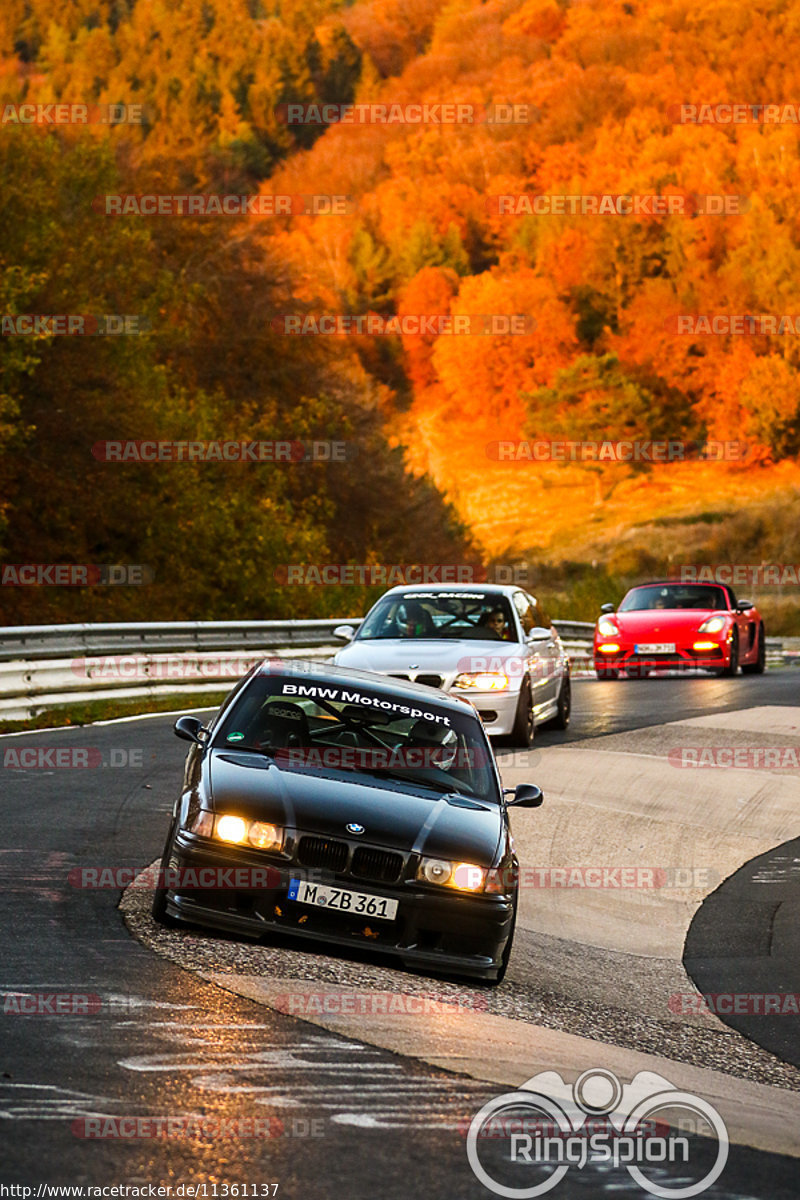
pixel 322 852
pixel 429 680
pixel 381 866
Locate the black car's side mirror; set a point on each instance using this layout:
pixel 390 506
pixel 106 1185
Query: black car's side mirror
pixel 608 608
pixel 190 730
pixel 743 605
pixel 524 795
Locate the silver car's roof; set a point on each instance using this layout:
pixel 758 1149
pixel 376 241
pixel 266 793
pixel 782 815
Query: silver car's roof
pixel 434 589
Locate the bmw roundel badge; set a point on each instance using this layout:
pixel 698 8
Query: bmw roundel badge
pixel 354 827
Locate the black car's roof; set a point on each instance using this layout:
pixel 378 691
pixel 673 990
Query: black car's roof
pixel 307 669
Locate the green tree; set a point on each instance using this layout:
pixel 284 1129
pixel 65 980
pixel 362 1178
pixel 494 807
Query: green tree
pixel 598 399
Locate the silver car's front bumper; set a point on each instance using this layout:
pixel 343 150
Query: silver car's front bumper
pixel 497 710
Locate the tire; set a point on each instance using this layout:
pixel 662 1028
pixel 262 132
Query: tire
pixel 733 666
pixel 523 731
pixel 757 668
pixel 561 719
pixel 607 672
pixel 501 970
pixel 159 908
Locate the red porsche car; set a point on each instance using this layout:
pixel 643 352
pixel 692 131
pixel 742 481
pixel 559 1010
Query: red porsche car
pixel 671 625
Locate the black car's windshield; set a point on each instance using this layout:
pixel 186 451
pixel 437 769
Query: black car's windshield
pixel 675 596
pixel 479 616
pixel 313 725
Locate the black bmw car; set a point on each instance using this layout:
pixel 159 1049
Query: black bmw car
pixel 351 808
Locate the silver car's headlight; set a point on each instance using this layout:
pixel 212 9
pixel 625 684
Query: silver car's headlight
pixel 483 681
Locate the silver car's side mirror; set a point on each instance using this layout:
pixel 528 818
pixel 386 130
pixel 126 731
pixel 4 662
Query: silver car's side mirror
pixel 345 633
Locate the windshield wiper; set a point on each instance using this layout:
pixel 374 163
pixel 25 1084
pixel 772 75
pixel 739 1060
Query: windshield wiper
pixel 239 747
pixel 437 785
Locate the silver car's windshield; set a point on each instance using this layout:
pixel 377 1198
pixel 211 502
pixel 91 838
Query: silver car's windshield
pixel 478 616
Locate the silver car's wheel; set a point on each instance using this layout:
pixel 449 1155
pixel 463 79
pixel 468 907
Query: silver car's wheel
pixel 561 719
pixel 522 733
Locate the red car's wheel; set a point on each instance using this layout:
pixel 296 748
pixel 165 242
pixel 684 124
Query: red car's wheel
pixel 757 667
pixel 733 663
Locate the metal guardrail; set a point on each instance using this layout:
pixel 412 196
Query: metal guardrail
pixel 18 642
pixel 43 666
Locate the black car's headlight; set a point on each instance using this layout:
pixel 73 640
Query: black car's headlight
pixel 237 831
pixel 463 877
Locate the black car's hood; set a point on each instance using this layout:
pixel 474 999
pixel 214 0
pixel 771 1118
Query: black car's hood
pixel 393 815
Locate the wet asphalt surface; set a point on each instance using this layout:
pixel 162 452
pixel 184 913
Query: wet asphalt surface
pixel 176 1082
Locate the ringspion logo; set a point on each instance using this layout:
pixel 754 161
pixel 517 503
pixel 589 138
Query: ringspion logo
pixel 599 1122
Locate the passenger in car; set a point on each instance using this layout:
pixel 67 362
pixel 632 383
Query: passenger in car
pixel 495 620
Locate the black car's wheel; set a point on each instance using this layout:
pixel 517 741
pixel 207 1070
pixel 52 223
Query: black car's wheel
pixel 757 667
pixel 522 733
pixel 733 665
pixel 607 672
pixel 561 719
pixel 159 909
pixel 501 970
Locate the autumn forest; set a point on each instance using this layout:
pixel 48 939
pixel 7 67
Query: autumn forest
pixel 567 222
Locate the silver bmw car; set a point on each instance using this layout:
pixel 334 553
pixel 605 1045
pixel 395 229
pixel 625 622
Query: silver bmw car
pixel 490 643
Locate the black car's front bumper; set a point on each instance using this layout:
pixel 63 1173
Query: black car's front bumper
pixel 435 930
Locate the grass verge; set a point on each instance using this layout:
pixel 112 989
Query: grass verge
pixel 106 710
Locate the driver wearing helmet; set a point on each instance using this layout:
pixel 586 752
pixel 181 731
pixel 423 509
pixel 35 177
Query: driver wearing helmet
pixel 410 621
pixel 439 747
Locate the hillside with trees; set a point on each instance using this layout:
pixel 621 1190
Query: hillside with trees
pixel 601 84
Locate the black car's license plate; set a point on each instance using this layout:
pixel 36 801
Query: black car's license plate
pixel 342 900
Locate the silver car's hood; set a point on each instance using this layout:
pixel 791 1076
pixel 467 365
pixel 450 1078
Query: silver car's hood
pixel 441 655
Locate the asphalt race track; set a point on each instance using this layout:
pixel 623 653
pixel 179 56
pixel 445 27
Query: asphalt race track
pixel 744 939
pixel 323 1112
